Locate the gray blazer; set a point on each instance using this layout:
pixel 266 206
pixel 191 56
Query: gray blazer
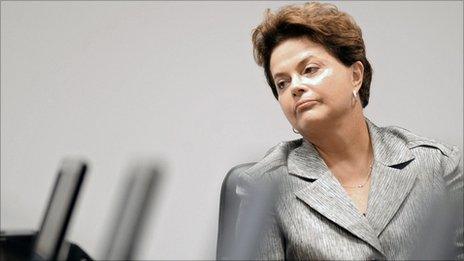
pixel 313 218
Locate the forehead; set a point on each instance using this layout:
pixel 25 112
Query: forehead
pixel 290 52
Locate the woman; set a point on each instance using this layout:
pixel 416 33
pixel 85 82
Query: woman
pixel 348 189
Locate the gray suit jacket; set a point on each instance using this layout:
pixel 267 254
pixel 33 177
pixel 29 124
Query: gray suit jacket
pixel 313 218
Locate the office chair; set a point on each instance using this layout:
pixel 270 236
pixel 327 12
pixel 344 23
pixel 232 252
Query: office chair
pixel 228 212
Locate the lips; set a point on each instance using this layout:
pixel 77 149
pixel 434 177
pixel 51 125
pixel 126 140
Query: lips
pixel 304 103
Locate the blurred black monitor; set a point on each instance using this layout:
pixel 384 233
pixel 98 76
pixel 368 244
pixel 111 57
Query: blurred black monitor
pixel 49 241
pixel 136 201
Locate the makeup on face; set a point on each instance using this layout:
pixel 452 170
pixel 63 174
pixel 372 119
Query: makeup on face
pixel 301 62
pixel 317 80
pixel 306 100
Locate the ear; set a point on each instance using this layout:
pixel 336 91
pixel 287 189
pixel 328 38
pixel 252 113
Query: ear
pixel 357 74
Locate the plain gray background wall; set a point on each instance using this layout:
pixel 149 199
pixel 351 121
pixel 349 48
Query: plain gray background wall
pixel 114 81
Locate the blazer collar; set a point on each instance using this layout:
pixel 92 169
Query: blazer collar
pixel 306 162
pixel 389 147
pixel 275 157
pixel 389 150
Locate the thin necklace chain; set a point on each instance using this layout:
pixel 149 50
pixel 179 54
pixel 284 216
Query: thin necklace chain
pixel 367 178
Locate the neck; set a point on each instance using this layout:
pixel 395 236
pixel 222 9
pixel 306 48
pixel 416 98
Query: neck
pixel 346 139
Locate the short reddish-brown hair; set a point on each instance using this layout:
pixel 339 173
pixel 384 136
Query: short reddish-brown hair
pixel 321 23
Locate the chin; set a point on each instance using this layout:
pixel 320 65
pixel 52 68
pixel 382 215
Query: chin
pixel 310 118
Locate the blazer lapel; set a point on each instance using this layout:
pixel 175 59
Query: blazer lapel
pixel 389 188
pixel 391 179
pixel 325 195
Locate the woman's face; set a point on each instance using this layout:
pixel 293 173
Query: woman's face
pixel 313 86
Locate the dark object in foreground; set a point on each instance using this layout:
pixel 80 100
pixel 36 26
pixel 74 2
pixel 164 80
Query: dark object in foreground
pixel 49 242
pixel 17 246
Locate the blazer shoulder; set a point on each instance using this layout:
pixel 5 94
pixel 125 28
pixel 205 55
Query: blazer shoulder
pixel 266 167
pixel 418 143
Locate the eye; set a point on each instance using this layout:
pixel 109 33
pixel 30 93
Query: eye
pixel 311 70
pixel 281 84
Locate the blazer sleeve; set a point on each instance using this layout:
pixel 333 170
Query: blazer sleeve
pixel 453 177
pixel 271 245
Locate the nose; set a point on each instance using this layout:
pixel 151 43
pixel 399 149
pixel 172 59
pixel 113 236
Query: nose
pixel 297 86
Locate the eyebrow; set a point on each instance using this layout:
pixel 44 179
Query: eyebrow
pixel 300 64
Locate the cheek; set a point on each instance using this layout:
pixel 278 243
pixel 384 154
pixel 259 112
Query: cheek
pixel 335 89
